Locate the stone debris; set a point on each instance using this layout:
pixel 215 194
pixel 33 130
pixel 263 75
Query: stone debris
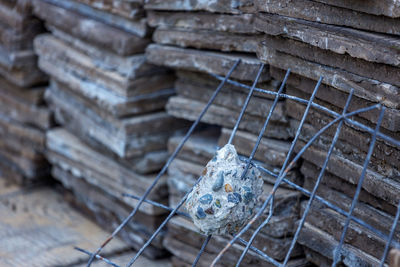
pixel 225 198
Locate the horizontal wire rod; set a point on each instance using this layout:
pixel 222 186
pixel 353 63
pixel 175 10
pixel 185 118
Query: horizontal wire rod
pixel 338 249
pixel 317 183
pixel 164 169
pixel 277 183
pixel 394 225
pixel 299 154
pixel 315 105
pixel 246 103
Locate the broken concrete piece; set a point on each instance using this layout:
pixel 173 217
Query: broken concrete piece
pixel 224 200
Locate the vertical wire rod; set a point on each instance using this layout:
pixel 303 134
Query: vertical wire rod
pixel 337 251
pixel 394 225
pixel 279 180
pixel 319 179
pixel 164 169
pixel 170 215
pixel 264 206
pixel 246 103
pixel 260 135
pixel 203 247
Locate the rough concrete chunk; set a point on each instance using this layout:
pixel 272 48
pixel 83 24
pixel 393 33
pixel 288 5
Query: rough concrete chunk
pixel 225 198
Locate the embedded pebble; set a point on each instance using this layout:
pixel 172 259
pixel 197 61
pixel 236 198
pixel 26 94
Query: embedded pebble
pixel 222 202
pixel 228 188
pixel 200 214
pixel 217 203
pixel 219 182
pixel 206 199
pixel 210 210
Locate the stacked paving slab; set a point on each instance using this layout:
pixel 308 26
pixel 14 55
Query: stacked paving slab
pixel 199 40
pixel 110 105
pixel 352 44
pixel 24 117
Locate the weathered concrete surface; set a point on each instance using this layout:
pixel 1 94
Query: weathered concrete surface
pixel 70 154
pixel 130 66
pixel 357 236
pixel 200 147
pixel 336 99
pixel 20 68
pixel 116 105
pixel 40 220
pixel 353 142
pixel 182 240
pixel 390 8
pixel 203 80
pixel 270 151
pixel 14 40
pixel 126 9
pixel 205 61
pixel 189 109
pixel 338 190
pixel 89 30
pixel 374 183
pixel 126 137
pixel 29 162
pixel 16 15
pixel 18 109
pixel 376 71
pixel 366 88
pixel 257 106
pixel 330 14
pixel 207 39
pixel 22 133
pixel 224 6
pixel 369 46
pixel 136 27
pixel 325 244
pixel 242 23
pixel 108 211
pixel 58 59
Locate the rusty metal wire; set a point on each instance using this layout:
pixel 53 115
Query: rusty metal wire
pixel 339 119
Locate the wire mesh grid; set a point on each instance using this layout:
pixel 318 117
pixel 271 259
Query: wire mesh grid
pixel 280 177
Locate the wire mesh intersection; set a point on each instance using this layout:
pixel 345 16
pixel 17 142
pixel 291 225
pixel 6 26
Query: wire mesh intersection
pixel 339 119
